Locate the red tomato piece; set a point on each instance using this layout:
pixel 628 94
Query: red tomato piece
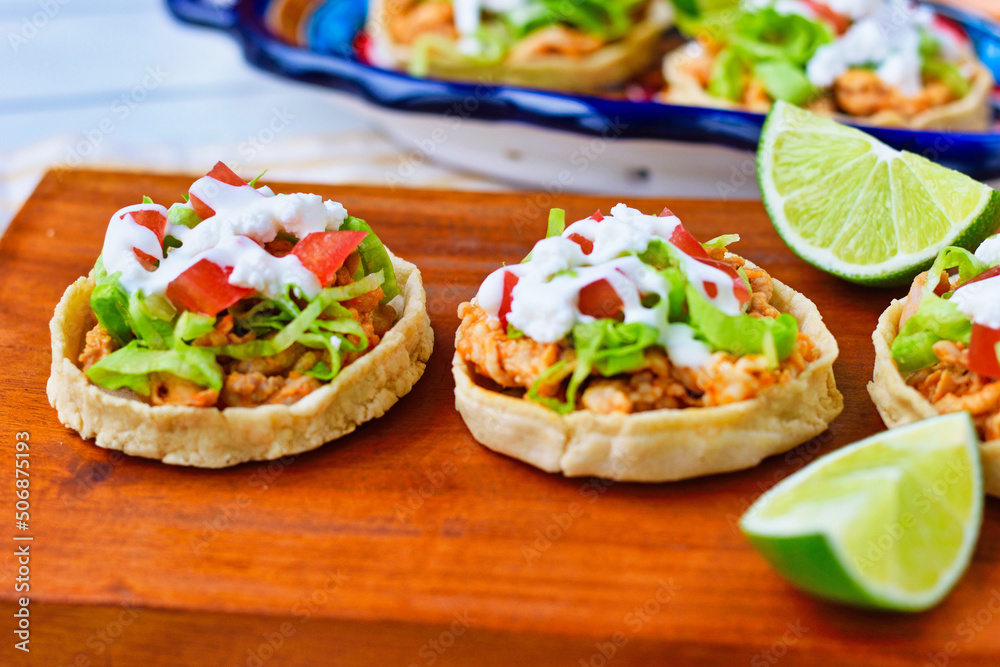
pixel 598 216
pixel 204 288
pixel 148 261
pixel 154 221
pixel 223 174
pixel 739 287
pixel 201 208
pixel 509 281
pixel 324 252
pixel 599 299
pixel 983 351
pixel 586 244
pixel 839 22
pixel 687 243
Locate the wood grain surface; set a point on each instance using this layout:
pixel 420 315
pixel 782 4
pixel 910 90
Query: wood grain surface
pixel 406 543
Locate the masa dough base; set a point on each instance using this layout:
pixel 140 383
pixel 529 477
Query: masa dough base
pixel 213 438
pixel 663 445
pixel 898 403
pixel 607 67
pixel 972 113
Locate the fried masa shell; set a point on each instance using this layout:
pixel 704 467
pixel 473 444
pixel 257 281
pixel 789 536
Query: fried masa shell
pixel 663 445
pixel 213 438
pixel 898 403
pixel 609 66
pixel 972 113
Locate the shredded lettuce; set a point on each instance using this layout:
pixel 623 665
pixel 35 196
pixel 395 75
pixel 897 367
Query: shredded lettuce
pixel 374 257
pixel 109 301
pixel 179 214
pixel 721 241
pixel 948 73
pixel 741 334
pixel 936 319
pixel 605 345
pixel 191 325
pixel 772 47
pixel 953 257
pixel 130 367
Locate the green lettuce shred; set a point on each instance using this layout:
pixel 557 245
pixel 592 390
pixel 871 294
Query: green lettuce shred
pixel 374 257
pixel 741 334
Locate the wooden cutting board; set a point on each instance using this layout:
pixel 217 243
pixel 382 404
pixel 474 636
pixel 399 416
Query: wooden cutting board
pixel 406 543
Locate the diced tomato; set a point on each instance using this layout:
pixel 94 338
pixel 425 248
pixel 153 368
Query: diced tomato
pixel 586 244
pixel 223 174
pixel 509 281
pixel 983 351
pixel 739 287
pixel 687 243
pixel 154 221
pixel 324 252
pixel 148 261
pixel 201 208
pixel 599 299
pixel 598 216
pixel 839 22
pixel 204 288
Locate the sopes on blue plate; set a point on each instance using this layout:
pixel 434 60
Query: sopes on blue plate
pixel 878 62
pixel 580 46
pixel 623 348
pixel 237 325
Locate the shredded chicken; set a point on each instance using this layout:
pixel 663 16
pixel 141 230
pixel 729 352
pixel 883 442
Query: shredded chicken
pixel 409 19
pixel 222 334
pixel 510 362
pixel 653 388
pixel 952 387
pixel 98 345
pixel 168 389
pixel 860 92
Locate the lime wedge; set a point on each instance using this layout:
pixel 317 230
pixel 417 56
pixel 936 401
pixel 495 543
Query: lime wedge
pixel 888 522
pixel 850 205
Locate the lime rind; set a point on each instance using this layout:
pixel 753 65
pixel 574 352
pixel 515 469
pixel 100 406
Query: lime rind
pixel 971 210
pixel 814 555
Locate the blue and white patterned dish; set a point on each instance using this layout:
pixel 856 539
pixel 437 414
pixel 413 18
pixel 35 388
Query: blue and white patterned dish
pixel 977 154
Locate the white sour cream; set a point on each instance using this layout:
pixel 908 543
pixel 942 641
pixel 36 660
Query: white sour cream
pixel 980 301
pixel 545 300
pixel 988 251
pixel 468 16
pixel 886 34
pixel 244 218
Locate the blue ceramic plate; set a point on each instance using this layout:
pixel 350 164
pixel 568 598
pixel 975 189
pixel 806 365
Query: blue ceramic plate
pixel 977 154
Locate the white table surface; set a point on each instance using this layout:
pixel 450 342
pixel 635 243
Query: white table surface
pixel 121 84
